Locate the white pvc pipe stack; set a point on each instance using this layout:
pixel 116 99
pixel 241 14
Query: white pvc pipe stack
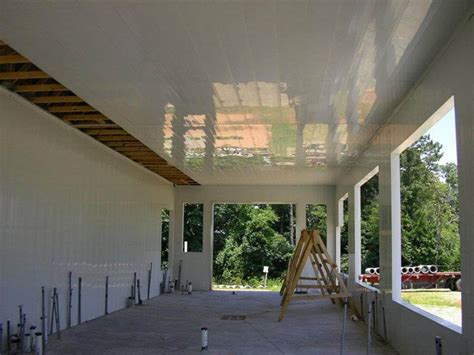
pixel 410 270
pixel 416 269
pixel 377 271
pixel 433 268
pixel 404 270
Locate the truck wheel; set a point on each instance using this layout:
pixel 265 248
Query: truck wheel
pixel 458 285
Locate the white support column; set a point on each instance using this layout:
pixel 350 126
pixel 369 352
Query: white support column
pixel 331 221
pixel 464 110
pixel 357 236
pixel 300 218
pixel 396 244
pixel 340 223
pixel 207 239
pixel 351 248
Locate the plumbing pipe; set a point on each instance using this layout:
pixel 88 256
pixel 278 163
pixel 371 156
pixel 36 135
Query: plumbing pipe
pixel 433 268
pixel 134 295
pixel 410 270
pixel 404 270
pixel 8 334
pixel 367 270
pixel 343 325
pixel 416 269
pixel 203 338
pixel 32 337
pixel 69 301
pixel 377 271
pixel 439 345
pixel 43 320
pixel 106 295
pixel 79 296
pixel 39 345
pixel 26 346
pixel 424 269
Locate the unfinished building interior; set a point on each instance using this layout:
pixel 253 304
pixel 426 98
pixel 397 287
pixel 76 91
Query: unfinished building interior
pixel 112 111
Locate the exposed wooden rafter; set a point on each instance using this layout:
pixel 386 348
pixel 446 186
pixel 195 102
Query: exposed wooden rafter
pixel 19 75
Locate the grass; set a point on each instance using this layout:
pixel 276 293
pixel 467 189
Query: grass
pixel 272 285
pixel 433 298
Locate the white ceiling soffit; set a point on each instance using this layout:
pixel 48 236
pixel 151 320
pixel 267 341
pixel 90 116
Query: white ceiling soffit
pixel 241 92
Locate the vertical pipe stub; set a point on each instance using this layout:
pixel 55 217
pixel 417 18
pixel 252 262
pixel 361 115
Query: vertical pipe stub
pixel 203 338
pixel 439 346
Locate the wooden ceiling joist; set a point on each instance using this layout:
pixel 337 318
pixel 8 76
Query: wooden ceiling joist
pixel 13 59
pixel 106 132
pixel 83 116
pixel 89 117
pixel 79 108
pixel 116 139
pixel 18 75
pixel 39 88
pixel 96 125
pixel 55 99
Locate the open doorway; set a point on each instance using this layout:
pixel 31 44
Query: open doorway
pixel 250 239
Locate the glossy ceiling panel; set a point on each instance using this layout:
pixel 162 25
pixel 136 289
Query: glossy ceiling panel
pixel 240 92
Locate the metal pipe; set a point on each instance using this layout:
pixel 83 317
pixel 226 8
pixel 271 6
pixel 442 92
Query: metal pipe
pixel 149 281
pixel 43 321
pixel 69 301
pixel 39 343
pixel 134 287
pixel 439 345
pixel 106 295
pixel 8 335
pixel 79 296
pixel 204 338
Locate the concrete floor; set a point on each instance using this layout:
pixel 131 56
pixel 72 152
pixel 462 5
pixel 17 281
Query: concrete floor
pixel 172 324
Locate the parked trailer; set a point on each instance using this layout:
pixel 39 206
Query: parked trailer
pixel 447 279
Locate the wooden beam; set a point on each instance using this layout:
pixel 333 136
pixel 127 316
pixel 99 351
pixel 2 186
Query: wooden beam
pixel 13 59
pixel 93 117
pixel 132 149
pixel 40 88
pixel 106 132
pixel 17 75
pixel 55 99
pixel 81 108
pixel 114 145
pixel 116 138
pixel 96 125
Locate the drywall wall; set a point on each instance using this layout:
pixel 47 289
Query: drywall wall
pixel 451 75
pixel 197 267
pixel 70 204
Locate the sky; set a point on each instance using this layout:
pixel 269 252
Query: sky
pixel 444 132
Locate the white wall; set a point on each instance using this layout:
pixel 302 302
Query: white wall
pixel 67 203
pixel 197 267
pixel 411 331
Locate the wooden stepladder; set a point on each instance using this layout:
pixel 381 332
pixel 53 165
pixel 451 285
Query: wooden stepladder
pixel 327 279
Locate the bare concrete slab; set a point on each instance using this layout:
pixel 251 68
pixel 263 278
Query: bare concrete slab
pixel 172 324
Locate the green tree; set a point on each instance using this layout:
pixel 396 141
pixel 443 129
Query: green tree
pixel 429 203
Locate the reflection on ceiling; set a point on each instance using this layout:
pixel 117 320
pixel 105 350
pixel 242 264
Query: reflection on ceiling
pixel 241 92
